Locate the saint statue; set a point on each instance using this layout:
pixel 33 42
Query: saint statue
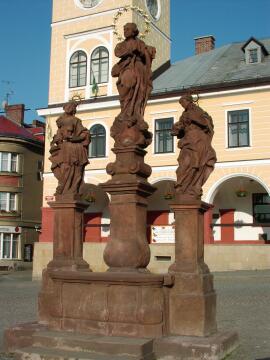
pixel 197 158
pixel 134 85
pixel 69 151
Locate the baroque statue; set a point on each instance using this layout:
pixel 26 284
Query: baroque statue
pixel 197 157
pixel 69 151
pixel 134 85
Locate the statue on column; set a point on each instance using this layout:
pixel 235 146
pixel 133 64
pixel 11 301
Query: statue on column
pixel 69 151
pixel 197 157
pixel 134 85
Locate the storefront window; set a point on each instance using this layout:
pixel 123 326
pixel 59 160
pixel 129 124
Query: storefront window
pixel 9 246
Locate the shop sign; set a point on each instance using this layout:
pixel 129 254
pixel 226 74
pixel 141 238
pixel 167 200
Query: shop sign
pixel 163 234
pixel 10 229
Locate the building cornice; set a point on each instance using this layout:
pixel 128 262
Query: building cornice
pixel 84 17
pixel 157 169
pixel 109 102
pixel 21 140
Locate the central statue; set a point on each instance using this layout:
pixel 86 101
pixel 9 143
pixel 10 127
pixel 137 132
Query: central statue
pixel 128 249
pixel 134 85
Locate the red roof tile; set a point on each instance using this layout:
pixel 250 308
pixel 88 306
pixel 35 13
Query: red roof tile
pixel 10 128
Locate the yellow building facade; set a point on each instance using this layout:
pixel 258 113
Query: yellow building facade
pixel 236 95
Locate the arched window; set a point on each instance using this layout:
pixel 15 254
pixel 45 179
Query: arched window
pixel 98 141
pixel 100 65
pixel 77 69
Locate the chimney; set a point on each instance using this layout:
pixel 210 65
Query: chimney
pixel 15 112
pixel 38 123
pixel 204 44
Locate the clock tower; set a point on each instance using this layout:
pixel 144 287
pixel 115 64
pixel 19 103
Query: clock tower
pixel 83 41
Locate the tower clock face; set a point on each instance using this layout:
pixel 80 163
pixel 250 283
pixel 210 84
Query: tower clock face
pixel 153 8
pixel 89 3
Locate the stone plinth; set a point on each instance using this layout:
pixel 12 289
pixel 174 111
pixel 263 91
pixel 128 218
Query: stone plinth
pixel 68 234
pixel 111 304
pixel 33 341
pixel 128 249
pixel 192 299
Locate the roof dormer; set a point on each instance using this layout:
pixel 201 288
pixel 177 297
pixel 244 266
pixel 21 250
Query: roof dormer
pixel 254 51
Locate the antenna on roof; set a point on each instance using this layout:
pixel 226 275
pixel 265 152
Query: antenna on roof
pixel 8 93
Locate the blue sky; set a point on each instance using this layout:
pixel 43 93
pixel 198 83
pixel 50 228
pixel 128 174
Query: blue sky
pixel 25 38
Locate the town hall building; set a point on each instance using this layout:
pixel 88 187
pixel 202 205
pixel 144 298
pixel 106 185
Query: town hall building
pixel 232 83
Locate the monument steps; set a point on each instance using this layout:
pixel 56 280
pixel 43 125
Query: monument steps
pixel 58 345
pixel 101 344
pixel 36 353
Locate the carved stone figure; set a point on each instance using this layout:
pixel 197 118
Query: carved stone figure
pixel 197 158
pixel 134 85
pixel 69 151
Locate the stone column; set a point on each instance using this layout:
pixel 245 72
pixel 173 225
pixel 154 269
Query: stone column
pixel 68 234
pixel 128 249
pixel 192 299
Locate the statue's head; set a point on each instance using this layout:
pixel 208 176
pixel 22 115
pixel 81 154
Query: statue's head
pixel 185 100
pixel 70 107
pixel 131 30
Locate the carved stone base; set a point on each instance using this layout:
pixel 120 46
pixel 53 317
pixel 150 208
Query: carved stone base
pixel 111 304
pixel 68 234
pixel 193 305
pixel 192 299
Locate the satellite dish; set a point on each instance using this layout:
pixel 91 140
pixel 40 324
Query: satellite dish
pixel 4 104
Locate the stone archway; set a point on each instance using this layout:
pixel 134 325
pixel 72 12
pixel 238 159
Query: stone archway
pixel 240 210
pixel 159 213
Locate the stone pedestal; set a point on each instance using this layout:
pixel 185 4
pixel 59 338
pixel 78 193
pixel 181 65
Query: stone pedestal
pixel 128 249
pixel 192 299
pixel 68 234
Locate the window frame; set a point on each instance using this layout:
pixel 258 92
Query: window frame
pixel 98 81
pixel 157 131
pixel 10 154
pixel 91 143
pixel 11 246
pixel 250 57
pixel 77 70
pixel 8 202
pixel 255 222
pixel 228 112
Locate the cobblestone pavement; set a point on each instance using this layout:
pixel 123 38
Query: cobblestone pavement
pixel 243 305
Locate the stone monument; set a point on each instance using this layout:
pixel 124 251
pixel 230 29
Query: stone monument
pixel 193 299
pixel 69 156
pixel 127 312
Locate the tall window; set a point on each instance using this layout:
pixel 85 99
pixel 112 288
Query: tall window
pixel 238 128
pixel 100 65
pixel 98 141
pixel 253 56
pixel 77 69
pixel 8 162
pixel 163 137
pixel 7 201
pixel 9 248
pixel 261 208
